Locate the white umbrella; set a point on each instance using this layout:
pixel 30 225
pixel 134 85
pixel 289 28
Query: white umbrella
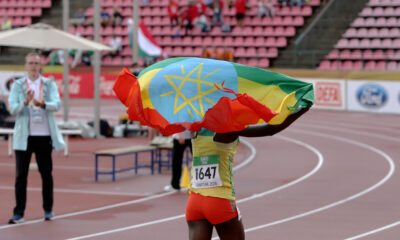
pixel 42 36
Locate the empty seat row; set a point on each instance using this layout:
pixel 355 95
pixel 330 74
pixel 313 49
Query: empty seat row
pixel 376 22
pixel 26 3
pixel 380 12
pixel 383 3
pixel 367 54
pixel 372 33
pixel 21 12
pixel 359 65
pixel 366 43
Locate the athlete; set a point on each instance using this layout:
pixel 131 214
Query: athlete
pixel 212 196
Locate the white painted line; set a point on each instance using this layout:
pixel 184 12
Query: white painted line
pixel 92 210
pixel 316 168
pixel 83 191
pixel 350 198
pixel 355 132
pixel 245 163
pixel 374 231
pixel 129 227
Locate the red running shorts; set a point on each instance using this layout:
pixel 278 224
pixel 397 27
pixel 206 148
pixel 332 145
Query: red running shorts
pixel 213 209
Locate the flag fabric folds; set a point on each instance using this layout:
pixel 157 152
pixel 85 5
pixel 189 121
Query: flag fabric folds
pixel 194 93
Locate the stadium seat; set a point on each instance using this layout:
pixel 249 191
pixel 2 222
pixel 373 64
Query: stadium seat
pixel 393 66
pixel 263 63
pixel 346 65
pixel 334 54
pixel 345 54
pixel 325 65
pixel 356 55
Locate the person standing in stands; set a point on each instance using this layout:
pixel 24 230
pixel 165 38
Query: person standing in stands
pixel 173 11
pixel 33 99
pixel 240 12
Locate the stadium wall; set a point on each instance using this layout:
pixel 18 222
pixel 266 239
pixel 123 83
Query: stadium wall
pixel 339 90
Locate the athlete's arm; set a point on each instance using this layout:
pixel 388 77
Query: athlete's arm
pixel 259 130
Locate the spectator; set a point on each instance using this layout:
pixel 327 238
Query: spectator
pixel 105 18
pixel 216 53
pixel 180 142
pixel 6 23
pixel 218 6
pixel 33 99
pixel 209 3
pixel 79 17
pixel 205 53
pixel 173 10
pixel 188 16
pixel 116 44
pixel 202 22
pixel 266 8
pixel 227 55
pixel 230 3
pixel 284 3
pixel 116 17
pixel 298 3
pixel 240 12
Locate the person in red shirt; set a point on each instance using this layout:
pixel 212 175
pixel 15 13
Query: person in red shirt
pixel 240 12
pixel 173 10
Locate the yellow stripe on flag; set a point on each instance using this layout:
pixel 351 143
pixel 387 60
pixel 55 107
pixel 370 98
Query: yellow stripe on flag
pixel 144 82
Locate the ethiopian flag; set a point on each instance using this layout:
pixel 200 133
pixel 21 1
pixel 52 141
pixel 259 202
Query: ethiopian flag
pixel 194 93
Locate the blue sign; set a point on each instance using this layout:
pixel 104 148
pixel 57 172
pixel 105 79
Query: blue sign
pixel 372 95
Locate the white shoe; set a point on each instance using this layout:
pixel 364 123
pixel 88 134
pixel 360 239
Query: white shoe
pixel 169 188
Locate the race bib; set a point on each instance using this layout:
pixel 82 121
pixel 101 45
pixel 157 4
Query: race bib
pixel 37 115
pixel 206 172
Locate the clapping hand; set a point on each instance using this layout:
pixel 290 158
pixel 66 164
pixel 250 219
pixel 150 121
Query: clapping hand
pixel 29 96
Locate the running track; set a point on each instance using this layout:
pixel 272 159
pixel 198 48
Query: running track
pixel 331 175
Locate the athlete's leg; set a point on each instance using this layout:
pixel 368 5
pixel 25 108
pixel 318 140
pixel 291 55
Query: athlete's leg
pixel 200 230
pixel 231 229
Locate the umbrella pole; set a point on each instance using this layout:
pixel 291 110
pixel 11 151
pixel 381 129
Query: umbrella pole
pixel 66 65
pixel 97 69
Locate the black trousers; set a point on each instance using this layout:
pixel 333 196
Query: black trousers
pixel 177 158
pixel 42 147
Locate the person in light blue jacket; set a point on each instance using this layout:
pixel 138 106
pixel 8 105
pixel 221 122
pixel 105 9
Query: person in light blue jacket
pixel 33 99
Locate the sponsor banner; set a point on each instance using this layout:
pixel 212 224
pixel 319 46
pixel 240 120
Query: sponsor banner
pixel 81 85
pixel 6 78
pixel 374 96
pixel 329 93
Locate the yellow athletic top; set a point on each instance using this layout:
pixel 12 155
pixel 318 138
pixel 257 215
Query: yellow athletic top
pixel 212 165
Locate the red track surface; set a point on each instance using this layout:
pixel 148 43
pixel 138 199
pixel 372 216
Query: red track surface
pixel 332 175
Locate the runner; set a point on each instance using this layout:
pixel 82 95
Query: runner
pixel 212 195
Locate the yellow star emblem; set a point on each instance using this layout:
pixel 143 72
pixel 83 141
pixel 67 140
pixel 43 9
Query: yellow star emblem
pixel 200 94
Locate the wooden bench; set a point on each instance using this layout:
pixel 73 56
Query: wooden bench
pixel 114 153
pixel 164 156
pixel 64 132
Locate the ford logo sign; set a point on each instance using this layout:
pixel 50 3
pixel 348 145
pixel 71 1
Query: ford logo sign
pixel 372 96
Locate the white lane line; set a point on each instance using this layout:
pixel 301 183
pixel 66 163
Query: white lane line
pixel 350 198
pixel 374 231
pixel 316 168
pixel 129 227
pixel 60 190
pixel 92 210
pixel 359 132
pixel 245 163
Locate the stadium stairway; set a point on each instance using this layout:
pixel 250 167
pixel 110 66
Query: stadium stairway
pixel 337 20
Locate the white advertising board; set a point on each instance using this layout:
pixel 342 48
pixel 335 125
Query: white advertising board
pixel 328 93
pixel 373 96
